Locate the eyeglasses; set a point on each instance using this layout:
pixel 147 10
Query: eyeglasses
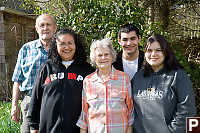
pixel 159 50
pixel 65 44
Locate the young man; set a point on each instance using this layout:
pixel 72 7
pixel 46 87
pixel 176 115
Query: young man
pixel 130 59
pixel 30 57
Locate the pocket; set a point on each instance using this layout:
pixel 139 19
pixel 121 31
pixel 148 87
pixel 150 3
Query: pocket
pixel 166 125
pixel 118 93
pixel 152 108
pixel 27 66
pixel 33 60
pixel 95 103
pixel 155 125
pixel 92 97
pixel 118 104
pixel 25 105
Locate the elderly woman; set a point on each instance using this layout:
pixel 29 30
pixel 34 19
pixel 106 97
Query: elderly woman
pixel 56 101
pixel 162 91
pixel 107 106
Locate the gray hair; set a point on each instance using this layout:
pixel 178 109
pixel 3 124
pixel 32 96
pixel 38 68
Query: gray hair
pixel 45 14
pixel 105 43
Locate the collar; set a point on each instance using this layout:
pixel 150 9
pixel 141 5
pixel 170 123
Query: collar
pixel 131 62
pixel 39 44
pixel 67 63
pixel 161 71
pixel 113 75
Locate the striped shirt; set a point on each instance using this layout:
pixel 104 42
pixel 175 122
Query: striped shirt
pixel 30 57
pixel 107 106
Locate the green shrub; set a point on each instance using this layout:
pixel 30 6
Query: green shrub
pixel 193 71
pixel 6 124
pixel 95 19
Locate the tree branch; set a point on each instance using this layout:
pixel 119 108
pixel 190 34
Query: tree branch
pixel 38 1
pixel 194 9
pixel 189 29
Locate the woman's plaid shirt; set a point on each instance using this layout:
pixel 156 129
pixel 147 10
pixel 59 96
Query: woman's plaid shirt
pixel 107 107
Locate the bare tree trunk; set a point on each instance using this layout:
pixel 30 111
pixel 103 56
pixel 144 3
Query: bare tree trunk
pixel 164 14
pixel 158 11
pixel 151 14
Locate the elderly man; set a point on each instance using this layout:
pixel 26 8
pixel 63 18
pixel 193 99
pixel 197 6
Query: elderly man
pixel 30 57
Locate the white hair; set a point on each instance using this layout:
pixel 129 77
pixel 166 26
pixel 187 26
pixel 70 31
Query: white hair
pixel 105 43
pixel 45 14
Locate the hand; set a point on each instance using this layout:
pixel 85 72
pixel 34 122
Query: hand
pixel 83 130
pixel 15 113
pixel 34 131
pixel 130 129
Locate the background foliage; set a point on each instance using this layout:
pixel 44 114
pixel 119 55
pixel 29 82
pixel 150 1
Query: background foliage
pixel 178 20
pixel 94 19
pixel 6 124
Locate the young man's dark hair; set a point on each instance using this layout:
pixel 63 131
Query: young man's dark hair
pixel 128 28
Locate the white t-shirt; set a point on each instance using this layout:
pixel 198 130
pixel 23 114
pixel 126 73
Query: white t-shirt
pixel 67 63
pixel 130 67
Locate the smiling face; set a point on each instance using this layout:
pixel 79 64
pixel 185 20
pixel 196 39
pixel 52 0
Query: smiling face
pixel 66 46
pixel 129 42
pixel 154 56
pixel 103 57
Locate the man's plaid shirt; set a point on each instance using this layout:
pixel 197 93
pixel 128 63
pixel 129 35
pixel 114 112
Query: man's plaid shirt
pixel 30 57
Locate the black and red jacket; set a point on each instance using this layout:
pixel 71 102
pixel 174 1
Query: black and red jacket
pixel 56 99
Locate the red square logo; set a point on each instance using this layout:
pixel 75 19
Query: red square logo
pixel 193 125
pixel 47 81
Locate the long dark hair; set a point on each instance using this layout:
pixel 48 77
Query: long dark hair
pixel 170 62
pixel 79 55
